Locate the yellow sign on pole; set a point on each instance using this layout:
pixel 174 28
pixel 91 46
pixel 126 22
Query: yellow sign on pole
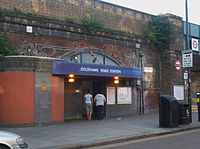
pixel 43 88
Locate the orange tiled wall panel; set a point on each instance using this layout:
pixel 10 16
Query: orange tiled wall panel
pixel 17 98
pixel 57 99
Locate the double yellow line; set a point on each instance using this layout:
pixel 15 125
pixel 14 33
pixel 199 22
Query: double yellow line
pixel 144 139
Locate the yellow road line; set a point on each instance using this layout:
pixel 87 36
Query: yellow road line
pixel 145 139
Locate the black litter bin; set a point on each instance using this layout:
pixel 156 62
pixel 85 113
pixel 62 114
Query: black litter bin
pixel 183 113
pixel 168 111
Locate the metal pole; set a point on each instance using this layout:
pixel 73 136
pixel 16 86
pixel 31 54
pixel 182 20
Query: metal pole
pixel 140 110
pixel 189 95
pixel 142 90
pixel 187 27
pixel 188 48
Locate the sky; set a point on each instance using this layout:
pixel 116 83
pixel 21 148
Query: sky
pixel 156 7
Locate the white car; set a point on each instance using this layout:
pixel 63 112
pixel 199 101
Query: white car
pixel 10 140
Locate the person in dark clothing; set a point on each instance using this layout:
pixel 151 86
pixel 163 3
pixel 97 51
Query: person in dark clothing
pixel 99 100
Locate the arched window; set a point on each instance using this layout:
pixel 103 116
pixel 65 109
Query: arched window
pixel 90 56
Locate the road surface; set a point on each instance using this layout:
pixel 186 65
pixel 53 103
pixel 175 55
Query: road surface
pixel 181 140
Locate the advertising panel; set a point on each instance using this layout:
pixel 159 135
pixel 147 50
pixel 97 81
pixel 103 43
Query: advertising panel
pixel 124 95
pixel 179 92
pixel 110 95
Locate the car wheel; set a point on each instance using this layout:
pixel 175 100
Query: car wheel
pixel 4 147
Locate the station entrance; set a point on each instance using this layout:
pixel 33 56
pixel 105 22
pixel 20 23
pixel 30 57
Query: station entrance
pixel 74 94
pixel 121 97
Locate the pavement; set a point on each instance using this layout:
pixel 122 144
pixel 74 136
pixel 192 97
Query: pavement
pixel 84 134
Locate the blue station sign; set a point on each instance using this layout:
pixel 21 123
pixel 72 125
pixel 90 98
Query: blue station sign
pixel 65 68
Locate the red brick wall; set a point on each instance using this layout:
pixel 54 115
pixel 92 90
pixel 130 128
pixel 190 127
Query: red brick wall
pixel 115 17
pixel 151 99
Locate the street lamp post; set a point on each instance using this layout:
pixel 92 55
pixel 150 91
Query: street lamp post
pixel 142 90
pixel 188 48
pixel 187 26
pixel 139 63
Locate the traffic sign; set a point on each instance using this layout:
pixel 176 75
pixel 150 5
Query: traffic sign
pixel 178 65
pixel 195 44
pixel 185 75
pixel 187 58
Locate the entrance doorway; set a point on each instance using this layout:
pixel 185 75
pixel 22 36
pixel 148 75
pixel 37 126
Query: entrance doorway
pixel 95 87
pixel 74 94
pixel 98 86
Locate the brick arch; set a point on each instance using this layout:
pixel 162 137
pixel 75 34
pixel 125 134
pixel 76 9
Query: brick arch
pixel 93 50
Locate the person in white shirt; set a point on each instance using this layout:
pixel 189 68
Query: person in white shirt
pixel 99 100
pixel 88 100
